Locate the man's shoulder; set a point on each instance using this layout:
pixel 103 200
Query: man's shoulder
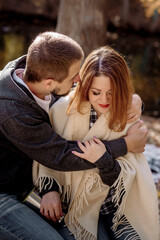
pixel 11 66
pixel 17 63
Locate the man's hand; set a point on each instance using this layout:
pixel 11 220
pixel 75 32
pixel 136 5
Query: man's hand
pixel 92 150
pixel 51 206
pixel 136 137
pixel 135 109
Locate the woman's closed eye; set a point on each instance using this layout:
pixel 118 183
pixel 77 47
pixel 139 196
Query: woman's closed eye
pixel 95 93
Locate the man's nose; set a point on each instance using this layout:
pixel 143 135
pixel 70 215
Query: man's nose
pixel 76 79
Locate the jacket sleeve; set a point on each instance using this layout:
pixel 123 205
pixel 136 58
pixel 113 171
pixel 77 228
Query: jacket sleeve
pixel 116 147
pixel 109 172
pixel 109 168
pixel 37 139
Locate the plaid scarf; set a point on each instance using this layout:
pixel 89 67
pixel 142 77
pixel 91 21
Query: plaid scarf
pixel 107 206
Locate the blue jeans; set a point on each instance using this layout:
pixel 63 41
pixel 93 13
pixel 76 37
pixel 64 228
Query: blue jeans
pixel 19 222
pixel 104 230
pixel 64 232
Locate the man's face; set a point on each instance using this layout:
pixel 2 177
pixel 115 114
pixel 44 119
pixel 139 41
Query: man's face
pixel 63 88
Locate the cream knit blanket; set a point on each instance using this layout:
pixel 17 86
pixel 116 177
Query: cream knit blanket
pixel 85 190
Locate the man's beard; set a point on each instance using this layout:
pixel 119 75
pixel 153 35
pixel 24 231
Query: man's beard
pixel 57 90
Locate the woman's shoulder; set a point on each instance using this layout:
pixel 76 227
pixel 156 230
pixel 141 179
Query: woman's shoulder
pixel 63 101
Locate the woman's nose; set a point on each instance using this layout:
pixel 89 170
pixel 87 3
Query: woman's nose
pixel 104 98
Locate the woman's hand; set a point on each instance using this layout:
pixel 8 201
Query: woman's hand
pixel 51 206
pixel 92 150
pixel 135 109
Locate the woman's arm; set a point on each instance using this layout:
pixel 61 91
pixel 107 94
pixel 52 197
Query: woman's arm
pixel 135 109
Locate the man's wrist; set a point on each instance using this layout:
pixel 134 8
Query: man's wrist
pixel 128 145
pixel 116 147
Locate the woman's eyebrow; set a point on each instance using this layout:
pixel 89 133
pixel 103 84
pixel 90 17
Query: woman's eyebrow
pixel 99 89
pixel 95 89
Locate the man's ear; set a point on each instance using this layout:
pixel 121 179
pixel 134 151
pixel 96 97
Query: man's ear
pixel 49 83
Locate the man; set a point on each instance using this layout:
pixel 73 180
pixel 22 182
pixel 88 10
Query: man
pixel 27 87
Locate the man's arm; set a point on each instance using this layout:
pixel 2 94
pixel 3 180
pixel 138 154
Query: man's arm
pixel 37 140
pixel 134 141
pixel 136 137
pixel 109 168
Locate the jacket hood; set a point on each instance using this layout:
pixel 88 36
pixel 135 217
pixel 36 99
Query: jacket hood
pixel 9 89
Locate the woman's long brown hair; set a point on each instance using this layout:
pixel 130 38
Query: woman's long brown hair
pixel 108 62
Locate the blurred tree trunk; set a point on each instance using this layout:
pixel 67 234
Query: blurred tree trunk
pixel 125 12
pixel 85 21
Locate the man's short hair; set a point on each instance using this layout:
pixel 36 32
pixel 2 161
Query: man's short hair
pixel 50 56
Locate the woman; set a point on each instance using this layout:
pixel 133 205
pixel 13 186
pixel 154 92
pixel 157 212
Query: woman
pixel 99 108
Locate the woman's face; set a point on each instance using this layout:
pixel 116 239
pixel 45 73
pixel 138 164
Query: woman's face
pixel 100 95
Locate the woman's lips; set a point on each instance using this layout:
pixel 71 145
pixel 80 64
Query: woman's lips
pixel 104 106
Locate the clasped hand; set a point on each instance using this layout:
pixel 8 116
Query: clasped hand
pixel 51 206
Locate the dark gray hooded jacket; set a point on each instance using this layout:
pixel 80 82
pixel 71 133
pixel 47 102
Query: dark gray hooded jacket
pixel 26 134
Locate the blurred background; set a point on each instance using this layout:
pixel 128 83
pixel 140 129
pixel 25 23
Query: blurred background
pixel 131 27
